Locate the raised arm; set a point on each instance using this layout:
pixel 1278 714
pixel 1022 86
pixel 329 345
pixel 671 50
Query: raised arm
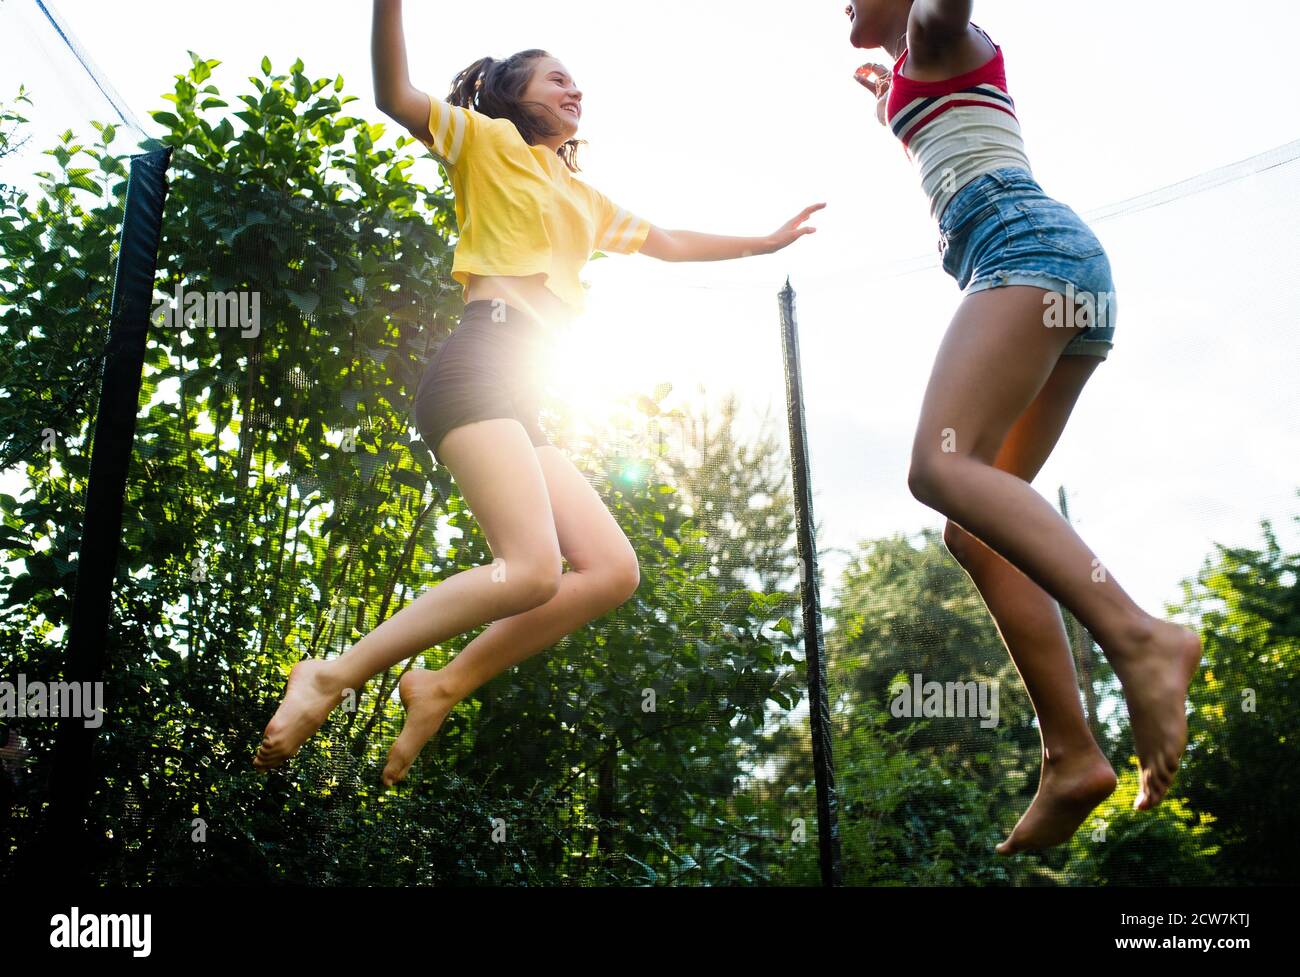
pixel 936 24
pixel 696 246
pixel 395 96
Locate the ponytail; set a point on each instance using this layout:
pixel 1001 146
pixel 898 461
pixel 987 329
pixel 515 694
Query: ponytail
pixel 496 88
pixel 467 84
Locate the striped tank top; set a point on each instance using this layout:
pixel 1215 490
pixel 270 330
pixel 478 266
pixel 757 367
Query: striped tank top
pixel 957 129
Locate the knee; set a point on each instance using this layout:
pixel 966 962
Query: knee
pixel 935 473
pixel 622 576
pixel 925 480
pixel 532 582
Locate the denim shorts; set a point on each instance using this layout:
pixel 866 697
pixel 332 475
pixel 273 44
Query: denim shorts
pixel 1002 229
pixel 487 368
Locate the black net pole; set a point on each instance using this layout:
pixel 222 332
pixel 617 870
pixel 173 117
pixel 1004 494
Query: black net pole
pixel 828 829
pixel 86 657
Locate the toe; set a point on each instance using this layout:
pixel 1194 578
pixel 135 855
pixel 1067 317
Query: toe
pixel 1143 799
pixel 1159 785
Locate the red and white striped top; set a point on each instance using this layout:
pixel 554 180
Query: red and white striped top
pixel 957 129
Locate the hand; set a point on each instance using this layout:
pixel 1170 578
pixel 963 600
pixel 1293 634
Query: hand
pixel 790 231
pixel 876 78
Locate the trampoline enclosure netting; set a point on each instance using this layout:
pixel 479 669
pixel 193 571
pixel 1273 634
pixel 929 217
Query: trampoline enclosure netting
pixel 277 504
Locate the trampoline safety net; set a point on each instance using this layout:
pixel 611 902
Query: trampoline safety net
pixel 275 292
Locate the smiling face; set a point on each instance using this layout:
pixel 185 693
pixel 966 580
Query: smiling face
pixel 553 91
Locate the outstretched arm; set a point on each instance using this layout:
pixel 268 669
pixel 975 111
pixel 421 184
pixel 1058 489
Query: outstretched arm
pixel 695 246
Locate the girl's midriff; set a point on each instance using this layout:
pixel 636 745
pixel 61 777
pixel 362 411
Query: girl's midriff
pixel 526 293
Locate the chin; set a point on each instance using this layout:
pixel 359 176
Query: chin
pixel 861 35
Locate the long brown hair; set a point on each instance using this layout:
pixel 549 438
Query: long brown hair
pixel 496 89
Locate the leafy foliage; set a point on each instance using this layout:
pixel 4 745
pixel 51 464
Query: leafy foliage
pixel 1245 732
pixel 279 508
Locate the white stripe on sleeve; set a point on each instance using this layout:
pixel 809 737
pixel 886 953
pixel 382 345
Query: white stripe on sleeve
pixel 448 125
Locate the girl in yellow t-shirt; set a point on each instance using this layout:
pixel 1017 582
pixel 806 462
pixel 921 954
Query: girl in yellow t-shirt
pixel 527 225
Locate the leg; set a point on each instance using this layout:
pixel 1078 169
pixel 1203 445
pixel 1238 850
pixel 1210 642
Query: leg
pixel 496 467
pixel 975 394
pixel 604 573
pixel 1075 775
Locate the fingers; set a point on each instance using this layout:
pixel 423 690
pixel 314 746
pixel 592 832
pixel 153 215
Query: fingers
pixel 805 214
pixel 874 77
pixel 793 230
pixel 793 236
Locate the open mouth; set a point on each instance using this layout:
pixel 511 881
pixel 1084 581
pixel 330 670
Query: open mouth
pixel 572 109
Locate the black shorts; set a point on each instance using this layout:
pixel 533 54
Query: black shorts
pixel 487 368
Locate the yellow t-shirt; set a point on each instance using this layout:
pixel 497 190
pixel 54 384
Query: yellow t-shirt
pixel 519 208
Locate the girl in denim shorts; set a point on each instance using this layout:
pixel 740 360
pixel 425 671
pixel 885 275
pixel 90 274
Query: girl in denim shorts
pixel 1036 318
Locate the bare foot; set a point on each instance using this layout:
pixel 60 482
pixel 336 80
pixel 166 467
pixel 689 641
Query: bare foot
pixel 1155 674
pixel 1068 789
pixel 311 695
pixel 427 701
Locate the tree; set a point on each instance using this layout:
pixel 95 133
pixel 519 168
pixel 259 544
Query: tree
pixel 279 508
pixel 1245 729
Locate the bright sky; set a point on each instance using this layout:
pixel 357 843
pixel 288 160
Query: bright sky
pixel 732 115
